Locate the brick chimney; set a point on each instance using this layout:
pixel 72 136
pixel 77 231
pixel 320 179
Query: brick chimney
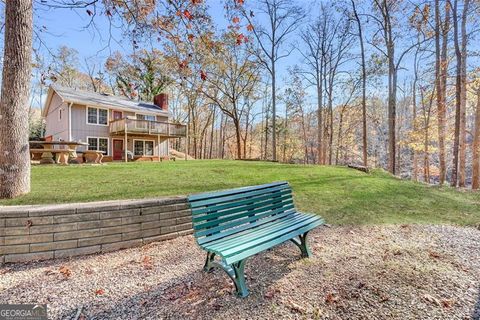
pixel 161 101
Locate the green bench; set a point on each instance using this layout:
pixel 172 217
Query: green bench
pixel 239 223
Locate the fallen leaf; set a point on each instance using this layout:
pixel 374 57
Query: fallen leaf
pixel 65 271
pixel 99 292
pixel 147 262
pixel 331 298
pixel 295 307
pixel 434 254
pixel 448 303
pixel 431 299
pixel 271 293
pixel 49 272
pixel 397 252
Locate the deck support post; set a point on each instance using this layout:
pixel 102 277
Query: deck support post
pixel 303 245
pixel 158 147
pixel 236 272
pixel 125 143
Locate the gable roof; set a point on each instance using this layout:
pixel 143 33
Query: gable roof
pixel 96 99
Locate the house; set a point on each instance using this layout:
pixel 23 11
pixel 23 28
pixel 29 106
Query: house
pixel 109 123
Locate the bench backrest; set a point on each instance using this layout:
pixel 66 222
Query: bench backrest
pixel 218 214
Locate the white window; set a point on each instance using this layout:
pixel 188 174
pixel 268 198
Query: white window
pixel 97 116
pixel 98 143
pixel 143 147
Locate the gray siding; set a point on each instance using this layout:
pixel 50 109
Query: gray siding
pixel 81 130
pixel 56 127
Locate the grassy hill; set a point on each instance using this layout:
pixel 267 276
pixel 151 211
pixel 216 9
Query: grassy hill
pixel 340 195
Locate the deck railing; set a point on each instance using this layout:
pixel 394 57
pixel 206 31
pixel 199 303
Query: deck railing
pixel 148 127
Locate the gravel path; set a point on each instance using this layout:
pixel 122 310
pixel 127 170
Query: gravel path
pixel 375 272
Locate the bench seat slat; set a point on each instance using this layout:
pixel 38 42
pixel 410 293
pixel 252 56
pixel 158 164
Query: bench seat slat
pixel 272 221
pixel 267 245
pixel 243 229
pixel 225 247
pixel 250 234
pixel 208 195
pixel 241 214
pixel 205 213
pixel 246 218
pixel 227 198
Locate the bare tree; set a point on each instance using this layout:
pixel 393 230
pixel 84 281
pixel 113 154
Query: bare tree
pixel 476 145
pixel 458 169
pixel 315 40
pixel 386 24
pixel 14 149
pixel 337 46
pixel 364 85
pixel 284 17
pixel 231 78
pixel 441 69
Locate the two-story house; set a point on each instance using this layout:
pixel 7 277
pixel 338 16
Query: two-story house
pixel 115 125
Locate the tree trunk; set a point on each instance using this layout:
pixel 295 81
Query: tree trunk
pixel 364 87
pixel 463 98
pixel 212 135
pixel 285 130
pixel 414 125
pixel 339 137
pixel 266 134
pixel 476 147
pixel 319 80
pixel 238 138
pixel 330 111
pixel 14 148
pixel 441 66
pixel 304 131
pixel 392 99
pixel 274 113
pixel 458 97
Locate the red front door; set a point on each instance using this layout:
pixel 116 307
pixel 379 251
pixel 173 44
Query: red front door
pixel 117 149
pixel 117 115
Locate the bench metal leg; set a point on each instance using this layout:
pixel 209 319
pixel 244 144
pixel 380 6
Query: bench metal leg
pixel 209 262
pixel 303 245
pixel 239 279
pixel 236 272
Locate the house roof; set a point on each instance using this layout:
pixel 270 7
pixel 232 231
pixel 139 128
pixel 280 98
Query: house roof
pixel 96 99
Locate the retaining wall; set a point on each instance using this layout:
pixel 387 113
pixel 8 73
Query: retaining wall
pixel 57 231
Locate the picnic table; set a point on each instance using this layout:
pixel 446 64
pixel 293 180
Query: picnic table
pixel 64 155
pixel 93 156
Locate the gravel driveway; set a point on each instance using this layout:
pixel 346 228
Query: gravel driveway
pixel 375 272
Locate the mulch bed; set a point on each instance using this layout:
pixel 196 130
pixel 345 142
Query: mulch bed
pixel 372 272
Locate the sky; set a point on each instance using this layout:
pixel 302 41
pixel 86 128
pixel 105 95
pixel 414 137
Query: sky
pixel 66 27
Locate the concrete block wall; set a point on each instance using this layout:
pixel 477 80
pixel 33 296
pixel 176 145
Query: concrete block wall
pixel 56 231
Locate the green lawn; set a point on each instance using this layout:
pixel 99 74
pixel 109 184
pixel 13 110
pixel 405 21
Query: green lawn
pixel 341 195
